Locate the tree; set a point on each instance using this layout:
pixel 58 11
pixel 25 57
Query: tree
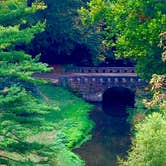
pixel 64 41
pixel 20 112
pixel 133 28
pixel 158 83
pixel 149 144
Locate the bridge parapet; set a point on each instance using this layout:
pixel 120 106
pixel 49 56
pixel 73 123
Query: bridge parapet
pixel 92 87
pixel 101 70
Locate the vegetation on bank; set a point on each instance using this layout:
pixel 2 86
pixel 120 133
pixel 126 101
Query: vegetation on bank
pixel 65 126
pixel 20 112
pixel 69 124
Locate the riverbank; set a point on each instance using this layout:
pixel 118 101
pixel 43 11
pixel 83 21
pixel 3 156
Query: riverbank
pixel 71 122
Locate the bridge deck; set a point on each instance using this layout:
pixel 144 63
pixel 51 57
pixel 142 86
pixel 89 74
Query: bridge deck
pixel 104 74
pixel 54 75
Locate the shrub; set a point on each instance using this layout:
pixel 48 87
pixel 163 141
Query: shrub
pixel 149 146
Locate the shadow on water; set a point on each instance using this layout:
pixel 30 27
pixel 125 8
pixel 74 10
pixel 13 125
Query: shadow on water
pixel 111 135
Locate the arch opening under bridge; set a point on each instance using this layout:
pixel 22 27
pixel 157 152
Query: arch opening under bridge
pixel 116 100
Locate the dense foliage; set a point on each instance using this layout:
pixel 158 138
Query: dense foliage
pixel 64 41
pixel 20 112
pixel 34 129
pixel 150 143
pixel 133 27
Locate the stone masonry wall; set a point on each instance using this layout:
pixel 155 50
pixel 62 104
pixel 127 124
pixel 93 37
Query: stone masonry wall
pixel 92 88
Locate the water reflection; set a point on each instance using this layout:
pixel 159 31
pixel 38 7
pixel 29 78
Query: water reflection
pixel 111 137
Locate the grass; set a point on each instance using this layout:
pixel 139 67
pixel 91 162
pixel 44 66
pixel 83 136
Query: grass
pixel 70 123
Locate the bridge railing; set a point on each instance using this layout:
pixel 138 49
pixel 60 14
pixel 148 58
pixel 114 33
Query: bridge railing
pixel 102 70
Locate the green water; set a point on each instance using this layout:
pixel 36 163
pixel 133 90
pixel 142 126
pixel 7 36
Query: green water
pixel 111 138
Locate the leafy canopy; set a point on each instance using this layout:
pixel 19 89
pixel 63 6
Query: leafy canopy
pixel 133 27
pixel 63 40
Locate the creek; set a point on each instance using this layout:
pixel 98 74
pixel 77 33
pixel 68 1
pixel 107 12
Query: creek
pixel 111 137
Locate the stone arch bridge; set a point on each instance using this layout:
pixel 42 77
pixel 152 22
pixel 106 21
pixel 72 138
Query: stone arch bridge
pixel 91 82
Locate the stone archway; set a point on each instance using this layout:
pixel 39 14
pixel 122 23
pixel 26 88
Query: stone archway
pixel 117 99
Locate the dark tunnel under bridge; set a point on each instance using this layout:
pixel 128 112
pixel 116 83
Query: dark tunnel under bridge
pixel 116 100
